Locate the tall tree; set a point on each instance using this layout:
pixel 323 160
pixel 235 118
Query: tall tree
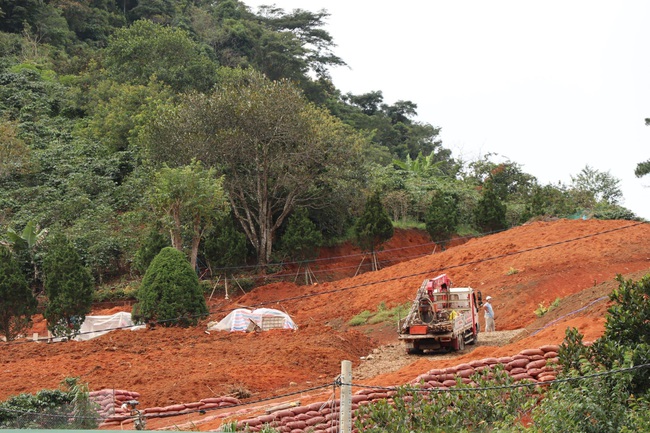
pixel 145 49
pixel 602 186
pixel 490 212
pixel 643 168
pixel 188 199
pixel 17 303
pixel 373 227
pixel 442 216
pixel 68 286
pixel 275 149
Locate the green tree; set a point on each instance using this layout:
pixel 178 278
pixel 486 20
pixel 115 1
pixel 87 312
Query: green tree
pixel 17 303
pixel 225 247
pixel 442 216
pixel 145 50
pixel 627 331
pixel 490 213
pixel 275 149
pixel 153 242
pixel 170 293
pixel 601 186
pixel 68 286
pixel 301 240
pixel 188 199
pixel 373 227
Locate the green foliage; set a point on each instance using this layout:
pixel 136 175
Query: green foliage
pixel 381 315
pixel 374 226
pixel 68 286
pixel 170 293
pixel 442 216
pixel 490 213
pixel 595 405
pixel 274 148
pixel 542 309
pixel 464 410
pixel 145 50
pixel 225 247
pixel 188 199
pixel 301 240
pixel 153 242
pixel 17 303
pixel 601 186
pixel 360 319
pixel 70 408
pixel 626 340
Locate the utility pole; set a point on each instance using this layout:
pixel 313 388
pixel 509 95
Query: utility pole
pixel 345 413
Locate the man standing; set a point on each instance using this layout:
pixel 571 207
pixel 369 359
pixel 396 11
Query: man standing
pixel 489 315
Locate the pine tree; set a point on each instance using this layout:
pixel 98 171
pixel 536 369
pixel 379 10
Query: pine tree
pixel 491 211
pixel 170 293
pixel 301 240
pixel 442 216
pixel 17 303
pixel 373 227
pixel 68 286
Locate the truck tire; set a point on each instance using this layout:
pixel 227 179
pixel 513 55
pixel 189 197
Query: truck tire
pixel 414 351
pixel 459 343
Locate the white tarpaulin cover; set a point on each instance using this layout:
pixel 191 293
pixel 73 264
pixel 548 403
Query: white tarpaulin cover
pixel 94 326
pixel 243 319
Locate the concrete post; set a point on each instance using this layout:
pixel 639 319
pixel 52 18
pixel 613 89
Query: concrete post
pixel 345 413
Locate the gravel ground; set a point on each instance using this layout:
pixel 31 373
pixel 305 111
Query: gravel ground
pixel 392 357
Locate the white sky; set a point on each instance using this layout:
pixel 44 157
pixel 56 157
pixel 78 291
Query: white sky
pixel 553 86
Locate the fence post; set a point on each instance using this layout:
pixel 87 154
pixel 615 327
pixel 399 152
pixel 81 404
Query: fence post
pixel 345 413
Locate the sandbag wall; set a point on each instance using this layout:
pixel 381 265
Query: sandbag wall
pixel 535 365
pixel 110 403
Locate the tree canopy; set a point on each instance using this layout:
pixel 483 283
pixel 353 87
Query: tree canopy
pixel 275 149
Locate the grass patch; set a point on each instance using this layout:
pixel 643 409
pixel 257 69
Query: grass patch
pixel 543 309
pixel 409 224
pixel 512 271
pixel 381 315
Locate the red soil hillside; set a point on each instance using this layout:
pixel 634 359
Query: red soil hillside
pixel 519 268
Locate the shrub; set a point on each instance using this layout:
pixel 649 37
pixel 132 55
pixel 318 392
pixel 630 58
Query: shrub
pixel 68 286
pixel 51 408
pixel 17 303
pixel 170 293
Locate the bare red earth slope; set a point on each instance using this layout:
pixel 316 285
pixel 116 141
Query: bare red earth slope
pixel 520 268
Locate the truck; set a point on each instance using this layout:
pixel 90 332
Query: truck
pixel 441 317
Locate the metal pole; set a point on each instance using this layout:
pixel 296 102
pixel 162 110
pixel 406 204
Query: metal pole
pixel 345 413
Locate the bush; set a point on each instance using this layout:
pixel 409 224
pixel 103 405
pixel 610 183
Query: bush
pixel 170 293
pixel 51 408
pixel 17 303
pixel 68 286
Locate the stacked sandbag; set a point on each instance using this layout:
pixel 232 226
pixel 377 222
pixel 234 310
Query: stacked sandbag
pixel 113 413
pixel 535 365
pixel 110 401
pixel 316 418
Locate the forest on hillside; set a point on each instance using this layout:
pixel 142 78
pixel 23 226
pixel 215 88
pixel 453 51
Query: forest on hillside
pixel 130 126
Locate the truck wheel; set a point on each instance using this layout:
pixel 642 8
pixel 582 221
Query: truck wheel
pixel 460 343
pixel 414 351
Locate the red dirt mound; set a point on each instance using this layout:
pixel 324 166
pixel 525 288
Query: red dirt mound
pixel 520 268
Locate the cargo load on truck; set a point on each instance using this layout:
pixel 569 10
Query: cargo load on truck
pixel 442 317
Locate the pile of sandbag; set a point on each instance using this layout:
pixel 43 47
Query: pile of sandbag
pixel 113 412
pixel 110 401
pixel 535 365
